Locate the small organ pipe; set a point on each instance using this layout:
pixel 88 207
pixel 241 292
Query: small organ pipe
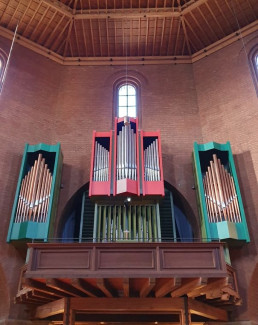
pixel 32 193
pixel 101 163
pixel 220 193
pixel 151 162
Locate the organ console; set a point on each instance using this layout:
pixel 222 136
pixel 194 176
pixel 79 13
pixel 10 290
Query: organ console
pixel 126 162
pixel 218 194
pixel 37 193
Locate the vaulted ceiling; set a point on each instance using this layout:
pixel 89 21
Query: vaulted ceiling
pixel 72 31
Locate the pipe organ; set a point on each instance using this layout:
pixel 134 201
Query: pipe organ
pixel 37 192
pixel 218 194
pixel 119 222
pixel 126 161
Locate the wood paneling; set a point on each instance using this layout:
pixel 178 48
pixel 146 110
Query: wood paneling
pixel 126 260
pixel 112 29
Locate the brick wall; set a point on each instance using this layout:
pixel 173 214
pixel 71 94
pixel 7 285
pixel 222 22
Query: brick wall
pixel 26 107
pixel 212 100
pixel 228 108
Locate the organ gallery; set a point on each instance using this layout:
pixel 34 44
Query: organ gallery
pixel 128 162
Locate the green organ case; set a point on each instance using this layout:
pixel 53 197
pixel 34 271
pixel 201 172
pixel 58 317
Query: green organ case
pixel 216 223
pixel 37 193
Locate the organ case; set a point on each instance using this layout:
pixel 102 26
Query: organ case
pixel 37 193
pixel 100 176
pixel 152 175
pixel 134 161
pixel 218 194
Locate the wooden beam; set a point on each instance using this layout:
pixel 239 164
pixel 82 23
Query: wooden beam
pixel 104 287
pixel 84 287
pixel 60 7
pixel 128 305
pixel 50 309
pixel 33 284
pixel 126 287
pixel 125 13
pixel 189 285
pixel 167 287
pixel 251 28
pixel 69 314
pixel 147 287
pixel 63 287
pixel 186 36
pixel 212 285
pixel 40 294
pixel 205 310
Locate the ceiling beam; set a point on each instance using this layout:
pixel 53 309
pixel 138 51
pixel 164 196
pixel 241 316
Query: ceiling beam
pixel 126 287
pixel 50 309
pixel 212 285
pixel 205 310
pixel 146 60
pixel 125 13
pixel 105 287
pixel 33 284
pixel 189 285
pixel 84 287
pixel 127 305
pixel 63 287
pixel 147 287
pixel 60 7
pixel 167 286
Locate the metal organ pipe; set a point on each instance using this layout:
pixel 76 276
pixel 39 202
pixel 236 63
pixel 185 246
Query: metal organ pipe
pixel 126 153
pixel 151 162
pixel 34 194
pixel 220 193
pixel 101 163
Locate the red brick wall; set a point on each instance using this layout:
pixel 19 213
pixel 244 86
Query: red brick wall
pixel 228 107
pixel 168 103
pixel 45 102
pixel 26 107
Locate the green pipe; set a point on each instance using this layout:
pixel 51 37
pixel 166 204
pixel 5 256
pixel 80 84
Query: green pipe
pixel 95 223
pixel 139 219
pixel 104 224
pixel 134 222
pixel 124 227
pixel 119 223
pixel 99 224
pixel 109 224
pixel 114 224
pixel 154 222
pixel 144 223
pixel 129 222
pixel 149 222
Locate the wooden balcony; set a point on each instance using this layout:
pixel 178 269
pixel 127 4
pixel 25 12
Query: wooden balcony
pixel 154 274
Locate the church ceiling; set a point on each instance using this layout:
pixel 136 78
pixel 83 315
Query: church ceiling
pixel 95 29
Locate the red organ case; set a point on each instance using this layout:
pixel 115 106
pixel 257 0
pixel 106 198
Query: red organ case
pixel 126 161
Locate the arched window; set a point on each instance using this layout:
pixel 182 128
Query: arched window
pixel 253 62
pixel 127 100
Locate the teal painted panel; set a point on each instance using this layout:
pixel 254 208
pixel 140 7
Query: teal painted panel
pixel 202 153
pixel 30 230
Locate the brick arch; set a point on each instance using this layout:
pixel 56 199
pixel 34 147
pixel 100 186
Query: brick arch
pixel 253 296
pixel 4 301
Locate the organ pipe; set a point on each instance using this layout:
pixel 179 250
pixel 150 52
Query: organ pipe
pixel 34 194
pixel 124 160
pixel 220 193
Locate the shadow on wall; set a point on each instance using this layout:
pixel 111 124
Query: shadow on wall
pixel 253 297
pixel 4 296
pixel 249 192
pixel 246 259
